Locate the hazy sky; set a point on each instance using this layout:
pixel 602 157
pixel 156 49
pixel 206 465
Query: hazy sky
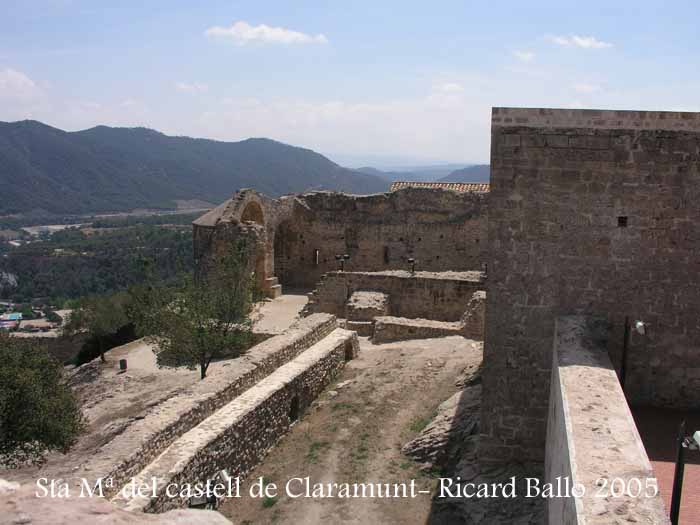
pixel 406 80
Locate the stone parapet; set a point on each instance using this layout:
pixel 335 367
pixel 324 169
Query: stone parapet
pixel 591 437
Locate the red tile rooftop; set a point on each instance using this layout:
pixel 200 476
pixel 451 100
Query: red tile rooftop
pixel 477 187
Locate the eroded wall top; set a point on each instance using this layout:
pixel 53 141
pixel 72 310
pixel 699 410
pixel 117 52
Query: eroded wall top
pixel 595 119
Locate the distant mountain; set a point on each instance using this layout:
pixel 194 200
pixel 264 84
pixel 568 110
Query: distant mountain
pixel 476 173
pixel 102 169
pixel 414 174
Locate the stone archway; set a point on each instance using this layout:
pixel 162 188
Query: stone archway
pixel 253 212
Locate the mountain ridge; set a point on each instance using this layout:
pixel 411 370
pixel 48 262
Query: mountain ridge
pixel 106 169
pixel 475 173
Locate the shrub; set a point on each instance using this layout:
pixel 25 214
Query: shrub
pixel 38 411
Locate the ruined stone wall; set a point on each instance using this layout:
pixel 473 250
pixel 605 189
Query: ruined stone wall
pixel 442 230
pixel 129 452
pixel 590 212
pixel 591 434
pixel 441 296
pixel 298 237
pixel 239 435
pixel 388 329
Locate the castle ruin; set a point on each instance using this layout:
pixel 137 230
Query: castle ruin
pixel 577 266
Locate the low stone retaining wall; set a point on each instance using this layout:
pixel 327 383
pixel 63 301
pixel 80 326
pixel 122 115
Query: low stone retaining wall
pixel 442 296
pixel 591 437
pixel 474 317
pixel 238 436
pixel 128 453
pixel 387 329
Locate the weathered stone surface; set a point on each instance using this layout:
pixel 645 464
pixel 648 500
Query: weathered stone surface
pixel 296 238
pixel 363 328
pixel 590 212
pixel 19 505
pixel 129 452
pixel 389 328
pixel 366 305
pixel 441 443
pixel 591 433
pixel 441 296
pixel 474 316
pixel 237 436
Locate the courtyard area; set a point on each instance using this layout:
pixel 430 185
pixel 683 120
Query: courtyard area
pixel 354 432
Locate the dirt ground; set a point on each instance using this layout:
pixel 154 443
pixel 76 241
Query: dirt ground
pixel 274 316
pixel 353 433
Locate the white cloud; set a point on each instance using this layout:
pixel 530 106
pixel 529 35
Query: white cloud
pixel 524 56
pixel 20 96
pixel 194 87
pixel 586 88
pixel 586 42
pixel 243 33
pixel 15 84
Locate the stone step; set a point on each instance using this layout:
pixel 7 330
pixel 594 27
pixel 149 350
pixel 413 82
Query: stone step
pixel 271 281
pixel 274 291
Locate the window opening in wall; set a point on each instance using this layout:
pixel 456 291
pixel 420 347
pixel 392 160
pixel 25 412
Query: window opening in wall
pixel 317 254
pixel 294 410
pixel 622 221
pixel 386 255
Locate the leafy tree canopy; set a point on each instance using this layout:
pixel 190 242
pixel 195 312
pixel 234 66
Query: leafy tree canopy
pixel 99 316
pixel 200 319
pixel 38 411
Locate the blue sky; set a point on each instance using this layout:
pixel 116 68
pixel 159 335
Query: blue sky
pixel 381 82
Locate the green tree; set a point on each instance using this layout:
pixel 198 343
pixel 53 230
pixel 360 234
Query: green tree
pixel 99 316
pixel 38 411
pixel 201 319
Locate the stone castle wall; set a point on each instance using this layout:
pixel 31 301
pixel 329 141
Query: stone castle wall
pixel 302 234
pixel 590 212
pixel 441 296
pixel 442 230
